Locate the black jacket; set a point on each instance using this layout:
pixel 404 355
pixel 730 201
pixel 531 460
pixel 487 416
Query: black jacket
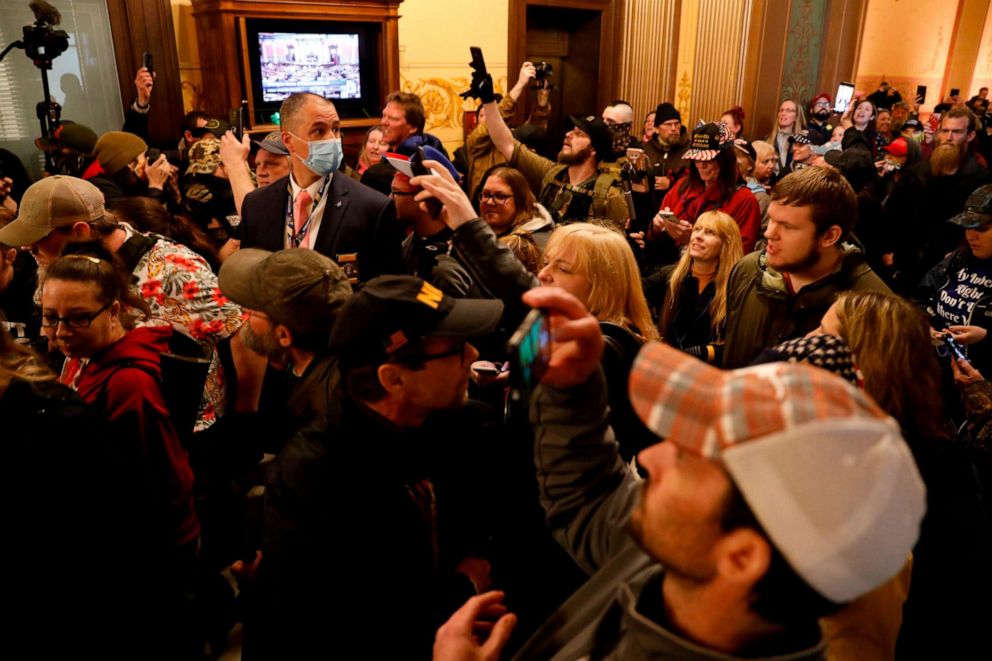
pixel 920 205
pixel 356 220
pixel 928 292
pixel 358 511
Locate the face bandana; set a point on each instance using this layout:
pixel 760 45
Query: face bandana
pixel 621 136
pixel 324 157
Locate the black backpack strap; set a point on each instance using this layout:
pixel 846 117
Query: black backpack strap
pixel 134 249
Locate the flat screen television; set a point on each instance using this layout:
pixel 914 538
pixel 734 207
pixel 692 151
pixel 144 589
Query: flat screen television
pixel 336 59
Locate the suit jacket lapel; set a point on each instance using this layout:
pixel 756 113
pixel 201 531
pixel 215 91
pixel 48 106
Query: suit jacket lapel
pixel 332 217
pixel 275 232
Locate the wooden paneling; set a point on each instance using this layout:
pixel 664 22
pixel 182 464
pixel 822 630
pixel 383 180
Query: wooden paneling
pixel 764 65
pixel 146 25
pixel 225 80
pixel 610 28
pixel 648 62
pixel 720 47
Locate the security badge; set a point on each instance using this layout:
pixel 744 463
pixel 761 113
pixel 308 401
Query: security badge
pixel 349 264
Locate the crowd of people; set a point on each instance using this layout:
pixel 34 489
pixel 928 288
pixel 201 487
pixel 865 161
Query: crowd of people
pixel 255 385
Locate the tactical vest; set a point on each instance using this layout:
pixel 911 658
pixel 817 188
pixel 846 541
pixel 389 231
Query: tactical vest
pixel 570 204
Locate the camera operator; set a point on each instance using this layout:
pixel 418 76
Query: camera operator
pixel 130 168
pixel 480 154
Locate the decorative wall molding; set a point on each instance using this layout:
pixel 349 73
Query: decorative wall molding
pixel 443 107
pixel 803 50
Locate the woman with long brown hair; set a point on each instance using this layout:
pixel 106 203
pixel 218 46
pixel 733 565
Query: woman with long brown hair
pixel 891 344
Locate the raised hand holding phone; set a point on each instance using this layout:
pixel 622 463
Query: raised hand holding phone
pixel 481 87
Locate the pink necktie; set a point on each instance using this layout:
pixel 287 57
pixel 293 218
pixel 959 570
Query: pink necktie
pixel 300 215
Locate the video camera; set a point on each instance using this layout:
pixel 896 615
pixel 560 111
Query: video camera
pixel 43 43
pixel 542 72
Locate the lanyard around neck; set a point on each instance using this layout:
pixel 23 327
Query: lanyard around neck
pixel 296 238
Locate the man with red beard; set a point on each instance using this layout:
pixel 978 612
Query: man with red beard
pixel 781 292
pixel 932 192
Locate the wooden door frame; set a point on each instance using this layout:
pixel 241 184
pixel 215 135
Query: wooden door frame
pixel 146 25
pixel 610 33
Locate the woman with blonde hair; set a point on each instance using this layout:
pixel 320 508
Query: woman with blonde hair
pixel 790 121
pixel 691 295
pixel 597 266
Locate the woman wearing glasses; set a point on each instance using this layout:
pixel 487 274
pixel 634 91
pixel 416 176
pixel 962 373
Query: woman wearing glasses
pixel 87 308
pixel 508 206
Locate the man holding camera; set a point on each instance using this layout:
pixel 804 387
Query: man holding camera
pixel 577 187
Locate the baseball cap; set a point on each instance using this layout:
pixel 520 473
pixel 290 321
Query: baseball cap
pixel 217 127
pixel 204 156
pixel 67 133
pixel 53 202
pixel 822 96
pixel 272 143
pixel 401 162
pixel 912 123
pixel 598 132
pixel 977 209
pixel 801 138
pixel 391 310
pixel 298 288
pixel 708 140
pixel 897 147
pixel 825 471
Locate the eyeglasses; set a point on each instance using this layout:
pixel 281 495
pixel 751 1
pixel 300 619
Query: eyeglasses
pixel 400 193
pixel 494 198
pixel 75 320
pixel 458 350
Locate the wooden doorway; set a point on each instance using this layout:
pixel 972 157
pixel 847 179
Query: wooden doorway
pixel 581 40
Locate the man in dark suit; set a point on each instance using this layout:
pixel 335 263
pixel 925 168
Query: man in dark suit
pixel 318 208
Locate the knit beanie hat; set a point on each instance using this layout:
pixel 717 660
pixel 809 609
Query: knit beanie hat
pixel 115 149
pixel 665 112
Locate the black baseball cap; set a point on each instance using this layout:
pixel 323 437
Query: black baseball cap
pixel 856 164
pixel 598 132
pixel 977 210
pixel 390 311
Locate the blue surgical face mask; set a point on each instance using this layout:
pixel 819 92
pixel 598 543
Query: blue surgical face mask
pixel 324 157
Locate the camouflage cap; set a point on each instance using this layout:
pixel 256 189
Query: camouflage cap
pixel 204 156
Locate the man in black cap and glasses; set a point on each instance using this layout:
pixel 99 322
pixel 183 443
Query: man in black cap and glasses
pixel 361 507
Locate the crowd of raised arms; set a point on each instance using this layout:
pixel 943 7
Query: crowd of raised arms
pixel 253 392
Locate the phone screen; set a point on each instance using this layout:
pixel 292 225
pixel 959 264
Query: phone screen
pixel 843 99
pixel 530 353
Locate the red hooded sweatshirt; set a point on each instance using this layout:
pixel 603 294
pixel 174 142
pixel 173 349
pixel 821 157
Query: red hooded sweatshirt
pixel 120 379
